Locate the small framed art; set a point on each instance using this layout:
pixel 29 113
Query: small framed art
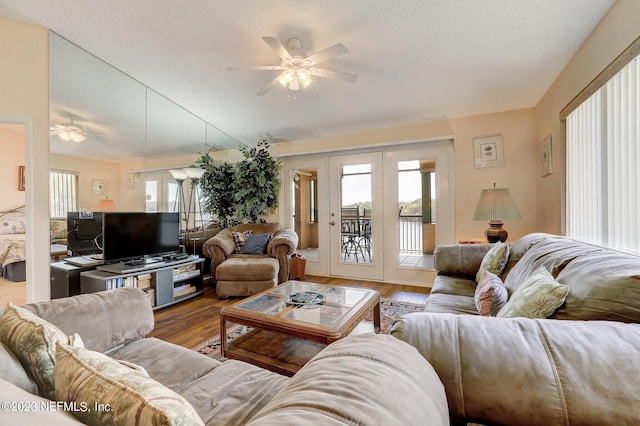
pixel 546 159
pixel 488 151
pixel 21 179
pixel 99 186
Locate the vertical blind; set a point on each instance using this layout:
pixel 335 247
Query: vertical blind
pixel 603 188
pixel 63 190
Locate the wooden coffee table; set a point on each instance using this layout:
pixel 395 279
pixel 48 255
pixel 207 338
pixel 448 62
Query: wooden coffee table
pixel 284 337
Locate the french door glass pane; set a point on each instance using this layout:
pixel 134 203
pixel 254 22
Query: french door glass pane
pixel 355 213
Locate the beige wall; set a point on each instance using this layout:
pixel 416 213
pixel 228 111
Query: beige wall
pixel 617 30
pixel 13 156
pixel 24 99
pixel 88 170
pixel 517 174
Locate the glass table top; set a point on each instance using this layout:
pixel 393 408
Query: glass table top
pixel 338 301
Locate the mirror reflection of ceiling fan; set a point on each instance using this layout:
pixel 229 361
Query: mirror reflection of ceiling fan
pixel 297 69
pixel 70 132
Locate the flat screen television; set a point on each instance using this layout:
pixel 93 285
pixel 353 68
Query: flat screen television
pixel 135 237
pixel 84 233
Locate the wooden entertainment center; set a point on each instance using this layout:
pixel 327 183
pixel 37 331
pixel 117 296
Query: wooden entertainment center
pixel 166 281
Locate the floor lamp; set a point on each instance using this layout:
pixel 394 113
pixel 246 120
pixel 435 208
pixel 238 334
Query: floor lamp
pixel 194 174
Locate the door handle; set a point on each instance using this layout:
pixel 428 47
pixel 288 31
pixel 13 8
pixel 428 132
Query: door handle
pixel 332 223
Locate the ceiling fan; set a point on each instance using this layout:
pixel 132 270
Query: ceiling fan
pixel 297 69
pixel 69 132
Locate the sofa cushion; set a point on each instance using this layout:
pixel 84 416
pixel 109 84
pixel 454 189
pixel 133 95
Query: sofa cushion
pixel 491 295
pixel 152 354
pixel 130 395
pixel 495 260
pixel 538 297
pixel 33 341
pixel 240 239
pixel 393 385
pixel 553 252
pixel 522 371
pixel 451 303
pixel 453 284
pixel 605 285
pixel 256 244
pixel 12 371
pixel 232 393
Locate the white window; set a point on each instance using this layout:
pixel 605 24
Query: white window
pixel 603 184
pixel 63 190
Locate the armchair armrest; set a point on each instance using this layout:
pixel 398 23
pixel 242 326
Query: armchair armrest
pixel 459 259
pixel 283 243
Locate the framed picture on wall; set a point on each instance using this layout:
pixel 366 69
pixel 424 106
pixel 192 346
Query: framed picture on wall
pixel 546 160
pixel 488 151
pixel 21 178
pixel 99 186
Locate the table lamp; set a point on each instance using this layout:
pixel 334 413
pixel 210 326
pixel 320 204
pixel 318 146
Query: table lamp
pixel 496 205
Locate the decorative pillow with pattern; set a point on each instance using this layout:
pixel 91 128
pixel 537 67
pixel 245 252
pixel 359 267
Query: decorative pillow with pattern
pixel 240 239
pixel 495 260
pixel 131 396
pixel 538 297
pixel 33 340
pixel 12 224
pixel 491 295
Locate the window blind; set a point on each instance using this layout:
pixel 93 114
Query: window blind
pixel 603 184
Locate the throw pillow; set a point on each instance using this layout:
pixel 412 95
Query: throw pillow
pixel 495 260
pixel 129 395
pixel 538 297
pixel 240 239
pixel 33 341
pixel 256 244
pixel 491 295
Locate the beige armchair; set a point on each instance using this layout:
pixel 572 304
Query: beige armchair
pixel 221 247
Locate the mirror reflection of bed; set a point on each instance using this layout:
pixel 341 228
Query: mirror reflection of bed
pixel 13 256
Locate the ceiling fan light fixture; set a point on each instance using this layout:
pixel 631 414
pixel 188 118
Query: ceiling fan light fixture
pixel 72 136
pixel 295 78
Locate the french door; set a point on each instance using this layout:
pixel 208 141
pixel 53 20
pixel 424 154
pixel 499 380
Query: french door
pixel 356 216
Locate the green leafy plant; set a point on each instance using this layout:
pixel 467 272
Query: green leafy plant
pixel 217 187
pixel 258 180
pixel 242 191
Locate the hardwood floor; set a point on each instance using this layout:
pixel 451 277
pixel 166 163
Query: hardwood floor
pixel 192 322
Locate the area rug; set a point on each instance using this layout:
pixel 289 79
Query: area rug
pixel 389 310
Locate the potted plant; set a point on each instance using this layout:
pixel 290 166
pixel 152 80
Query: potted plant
pixel 243 191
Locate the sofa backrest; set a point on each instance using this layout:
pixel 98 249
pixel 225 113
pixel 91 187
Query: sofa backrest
pixel 604 283
pixel 258 228
pixel 105 320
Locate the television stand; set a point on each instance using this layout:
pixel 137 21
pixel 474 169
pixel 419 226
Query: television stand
pixel 166 282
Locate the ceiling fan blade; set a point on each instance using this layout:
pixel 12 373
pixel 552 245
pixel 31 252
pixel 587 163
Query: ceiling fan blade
pixel 277 47
pixel 257 68
pixel 268 87
pixel 334 75
pixel 328 53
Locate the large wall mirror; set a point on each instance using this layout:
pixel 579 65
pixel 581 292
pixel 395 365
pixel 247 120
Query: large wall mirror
pixel 130 135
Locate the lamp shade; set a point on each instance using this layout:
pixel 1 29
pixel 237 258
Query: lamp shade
pixel 106 205
pixel 178 174
pixel 194 172
pixel 496 204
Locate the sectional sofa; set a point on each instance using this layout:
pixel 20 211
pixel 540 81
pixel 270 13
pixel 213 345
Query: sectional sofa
pixel 107 372
pixel 580 366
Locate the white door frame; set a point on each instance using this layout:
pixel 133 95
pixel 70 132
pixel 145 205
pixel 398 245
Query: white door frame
pixel 373 270
pixel 321 266
pixel 442 152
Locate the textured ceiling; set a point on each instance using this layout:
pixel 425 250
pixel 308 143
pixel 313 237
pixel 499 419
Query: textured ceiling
pixel 415 59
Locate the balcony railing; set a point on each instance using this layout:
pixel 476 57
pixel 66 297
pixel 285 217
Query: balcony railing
pixel 410 233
